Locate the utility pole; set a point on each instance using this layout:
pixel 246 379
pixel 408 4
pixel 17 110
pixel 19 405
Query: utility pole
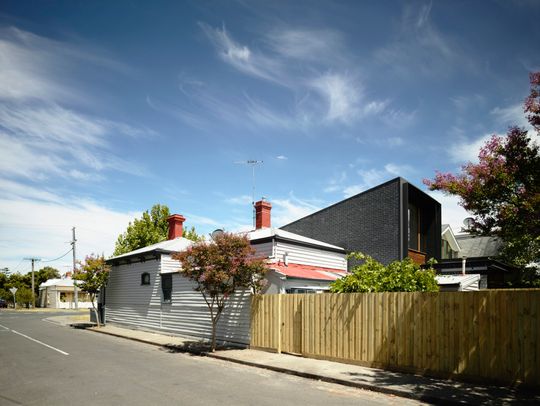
pixel 75 293
pixel 33 293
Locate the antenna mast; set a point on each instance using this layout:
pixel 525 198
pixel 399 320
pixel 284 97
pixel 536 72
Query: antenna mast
pixel 252 163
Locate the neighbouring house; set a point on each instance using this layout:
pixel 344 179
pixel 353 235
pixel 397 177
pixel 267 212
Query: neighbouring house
pixel 297 264
pixel 472 254
pixel 458 283
pixel 59 294
pixel 389 222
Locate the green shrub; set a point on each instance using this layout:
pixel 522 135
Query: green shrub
pixel 399 276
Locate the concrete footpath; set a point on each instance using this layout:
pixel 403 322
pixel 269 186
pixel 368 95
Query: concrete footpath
pixel 405 385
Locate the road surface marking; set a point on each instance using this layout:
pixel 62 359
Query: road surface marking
pixel 36 341
pixel 48 321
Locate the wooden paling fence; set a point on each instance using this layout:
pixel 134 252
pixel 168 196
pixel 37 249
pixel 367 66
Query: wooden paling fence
pixel 488 335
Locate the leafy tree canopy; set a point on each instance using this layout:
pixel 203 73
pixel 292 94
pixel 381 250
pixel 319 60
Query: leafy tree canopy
pixel 91 276
pixel 219 268
pixel 150 229
pixel 399 276
pixel 502 190
pixel 43 275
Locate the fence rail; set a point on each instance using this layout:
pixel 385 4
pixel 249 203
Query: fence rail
pixel 491 335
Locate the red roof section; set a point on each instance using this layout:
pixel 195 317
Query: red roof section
pixel 308 272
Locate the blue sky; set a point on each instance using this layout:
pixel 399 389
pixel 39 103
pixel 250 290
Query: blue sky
pixel 107 108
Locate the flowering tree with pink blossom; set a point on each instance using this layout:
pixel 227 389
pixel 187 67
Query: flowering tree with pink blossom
pixel 219 268
pixel 502 190
pixel 92 275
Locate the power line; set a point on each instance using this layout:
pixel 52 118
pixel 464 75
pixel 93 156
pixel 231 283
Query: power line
pixel 56 259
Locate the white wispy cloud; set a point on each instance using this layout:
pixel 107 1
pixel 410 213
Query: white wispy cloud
pixel 39 223
pixel 341 95
pixel 241 57
pixel 420 47
pixel 451 212
pixel 308 45
pixel 467 150
pixel 42 136
pixel 368 178
pixel 239 200
pixel 311 63
pixel 285 211
pixel 282 157
pixel 510 115
pixel 36 67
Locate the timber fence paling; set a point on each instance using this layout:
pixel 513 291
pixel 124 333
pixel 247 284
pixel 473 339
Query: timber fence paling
pixel 488 335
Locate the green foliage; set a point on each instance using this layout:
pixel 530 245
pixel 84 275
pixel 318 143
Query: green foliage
pixel 219 268
pixel 24 296
pixel 150 229
pixel 192 235
pixel 502 190
pixel 92 276
pixel 399 276
pixel 43 275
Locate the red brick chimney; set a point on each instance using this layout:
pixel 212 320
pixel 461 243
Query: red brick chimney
pixel 176 226
pixel 262 214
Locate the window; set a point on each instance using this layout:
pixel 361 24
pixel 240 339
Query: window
pixel 166 287
pixel 145 278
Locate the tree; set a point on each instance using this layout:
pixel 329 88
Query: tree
pixel 502 190
pixel 220 268
pixel 43 275
pixel 24 296
pixel 92 275
pixel 150 229
pixel 399 276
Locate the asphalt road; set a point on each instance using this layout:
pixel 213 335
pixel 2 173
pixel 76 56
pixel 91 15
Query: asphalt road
pixel 45 364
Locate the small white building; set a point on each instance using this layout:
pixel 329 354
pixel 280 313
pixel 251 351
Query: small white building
pixel 59 294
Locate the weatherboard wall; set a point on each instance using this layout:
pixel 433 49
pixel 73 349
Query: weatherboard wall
pixel 299 254
pixel 130 303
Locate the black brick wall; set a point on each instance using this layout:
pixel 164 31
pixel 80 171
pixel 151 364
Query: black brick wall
pixel 368 222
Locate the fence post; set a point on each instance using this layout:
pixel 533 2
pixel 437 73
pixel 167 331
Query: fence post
pixel 280 330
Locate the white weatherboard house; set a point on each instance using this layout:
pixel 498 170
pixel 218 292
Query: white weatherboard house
pixel 59 294
pixel 146 290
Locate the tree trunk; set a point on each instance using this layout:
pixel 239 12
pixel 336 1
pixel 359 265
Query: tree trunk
pixel 92 297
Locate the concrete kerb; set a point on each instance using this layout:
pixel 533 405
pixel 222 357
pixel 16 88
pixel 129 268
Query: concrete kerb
pixel 317 377
pixel 140 340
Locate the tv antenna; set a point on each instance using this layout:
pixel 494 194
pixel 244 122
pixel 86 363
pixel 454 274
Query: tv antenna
pixel 252 163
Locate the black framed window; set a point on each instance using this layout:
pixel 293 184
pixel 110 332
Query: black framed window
pixel 166 287
pixel 145 278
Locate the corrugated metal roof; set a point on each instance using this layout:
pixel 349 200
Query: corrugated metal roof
pixel 57 282
pixel 178 244
pixel 263 233
pixel 478 246
pixel 457 279
pixel 308 272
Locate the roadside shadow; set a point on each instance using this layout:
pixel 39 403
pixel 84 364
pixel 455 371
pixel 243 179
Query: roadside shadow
pixel 440 391
pixel 195 348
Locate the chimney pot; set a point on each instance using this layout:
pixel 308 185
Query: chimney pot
pixel 262 214
pixel 176 226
